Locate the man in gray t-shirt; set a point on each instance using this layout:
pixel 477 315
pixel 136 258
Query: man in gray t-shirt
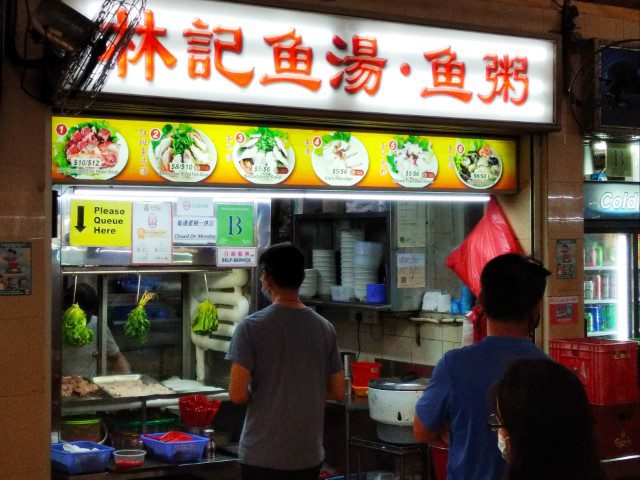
pixel 285 363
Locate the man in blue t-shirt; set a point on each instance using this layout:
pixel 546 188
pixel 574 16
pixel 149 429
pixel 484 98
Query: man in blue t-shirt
pixel 454 408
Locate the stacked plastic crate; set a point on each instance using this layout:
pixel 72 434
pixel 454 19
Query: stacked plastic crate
pixel 609 371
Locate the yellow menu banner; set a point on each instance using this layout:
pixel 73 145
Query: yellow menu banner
pixel 155 151
pixel 100 223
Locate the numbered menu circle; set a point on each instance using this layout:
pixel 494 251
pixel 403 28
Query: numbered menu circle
pixel 263 156
pixel 91 150
pixel 341 160
pixel 181 153
pixel 412 162
pixel 478 168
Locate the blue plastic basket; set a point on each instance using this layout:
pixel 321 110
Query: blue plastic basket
pixel 79 463
pixel 176 452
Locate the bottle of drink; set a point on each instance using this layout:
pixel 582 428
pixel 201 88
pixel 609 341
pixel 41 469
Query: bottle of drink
pixel 606 286
pixel 612 286
pixel 597 287
pixel 588 290
pixel 597 320
pixel 599 255
pixel 612 317
pixel 592 256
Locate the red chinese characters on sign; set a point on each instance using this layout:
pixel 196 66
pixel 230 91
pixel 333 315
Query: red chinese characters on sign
pixel 242 79
pixel 448 75
pixel 363 69
pixel 149 45
pixel 292 62
pixel 503 73
pixel 199 39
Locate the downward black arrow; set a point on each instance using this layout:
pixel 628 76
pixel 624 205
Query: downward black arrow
pixel 80 220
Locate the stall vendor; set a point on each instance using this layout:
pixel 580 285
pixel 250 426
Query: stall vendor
pixel 83 361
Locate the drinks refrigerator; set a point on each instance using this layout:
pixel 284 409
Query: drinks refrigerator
pixel 611 266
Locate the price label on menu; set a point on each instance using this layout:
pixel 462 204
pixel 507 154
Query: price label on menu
pixel 235 257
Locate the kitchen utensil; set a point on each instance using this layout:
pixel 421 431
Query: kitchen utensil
pixel 197 410
pixel 392 404
pixel 360 391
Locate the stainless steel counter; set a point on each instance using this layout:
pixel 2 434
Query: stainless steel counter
pixel 223 463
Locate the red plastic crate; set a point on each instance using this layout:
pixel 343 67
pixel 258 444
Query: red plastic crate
pixel 618 429
pixel 607 368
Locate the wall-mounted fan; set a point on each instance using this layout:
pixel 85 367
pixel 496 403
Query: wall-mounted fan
pixel 605 90
pixel 80 52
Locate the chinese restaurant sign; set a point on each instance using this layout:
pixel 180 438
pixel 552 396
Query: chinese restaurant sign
pixel 229 52
pixel 148 151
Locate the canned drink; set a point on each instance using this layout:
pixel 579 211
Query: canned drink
pixel 594 310
pixel 588 319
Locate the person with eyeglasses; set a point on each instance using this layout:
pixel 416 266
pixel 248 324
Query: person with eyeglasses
pixel 544 424
pixel 453 410
pixel 285 363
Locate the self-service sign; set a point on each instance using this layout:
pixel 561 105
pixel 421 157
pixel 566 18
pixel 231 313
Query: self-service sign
pixel 100 223
pixel 234 224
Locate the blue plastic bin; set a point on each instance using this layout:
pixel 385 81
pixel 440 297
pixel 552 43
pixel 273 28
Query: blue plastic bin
pixel 175 452
pixel 79 463
pixel 376 293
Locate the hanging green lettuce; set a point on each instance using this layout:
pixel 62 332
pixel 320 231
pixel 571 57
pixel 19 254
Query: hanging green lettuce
pixel 138 324
pixel 205 320
pixel 75 332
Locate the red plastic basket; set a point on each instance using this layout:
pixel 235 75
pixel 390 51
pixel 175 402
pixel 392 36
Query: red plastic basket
pixel 618 429
pixel 607 368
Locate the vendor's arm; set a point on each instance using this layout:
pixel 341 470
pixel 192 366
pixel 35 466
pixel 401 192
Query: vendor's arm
pixel 242 355
pixel 116 361
pixel 433 410
pixel 335 383
pixel 239 384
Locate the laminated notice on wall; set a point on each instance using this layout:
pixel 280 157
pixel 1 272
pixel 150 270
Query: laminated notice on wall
pixel 152 240
pixel 411 270
pixel 411 224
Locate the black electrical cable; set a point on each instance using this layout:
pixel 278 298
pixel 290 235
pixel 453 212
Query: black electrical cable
pixel 23 74
pixel 358 354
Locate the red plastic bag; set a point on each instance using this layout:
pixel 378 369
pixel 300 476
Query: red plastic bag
pixel 492 236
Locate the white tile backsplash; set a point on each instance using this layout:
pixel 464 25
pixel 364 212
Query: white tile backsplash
pixel 428 352
pixel 452 333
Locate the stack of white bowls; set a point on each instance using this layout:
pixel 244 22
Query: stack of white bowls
pixel 348 239
pixel 309 286
pixel 324 261
pixel 368 256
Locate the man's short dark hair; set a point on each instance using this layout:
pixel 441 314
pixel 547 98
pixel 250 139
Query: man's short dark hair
pixel 86 298
pixel 511 287
pixel 284 263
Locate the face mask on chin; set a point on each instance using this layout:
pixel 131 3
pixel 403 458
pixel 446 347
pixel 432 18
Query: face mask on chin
pixel 502 446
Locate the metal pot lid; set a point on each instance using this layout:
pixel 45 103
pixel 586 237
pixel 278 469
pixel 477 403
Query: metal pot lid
pixel 395 383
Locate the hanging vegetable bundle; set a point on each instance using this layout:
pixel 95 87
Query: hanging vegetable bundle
pixel 75 332
pixel 205 320
pixel 138 324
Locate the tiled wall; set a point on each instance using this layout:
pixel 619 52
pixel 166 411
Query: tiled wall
pixel 395 339
pixel 25 340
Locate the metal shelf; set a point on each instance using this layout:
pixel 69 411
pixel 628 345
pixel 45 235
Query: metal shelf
pixel 340 216
pixel 327 302
pixel 601 333
pixel 601 267
pixel 608 301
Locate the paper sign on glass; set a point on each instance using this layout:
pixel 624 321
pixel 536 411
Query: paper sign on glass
pixel 152 234
pixel 235 224
pixel 234 257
